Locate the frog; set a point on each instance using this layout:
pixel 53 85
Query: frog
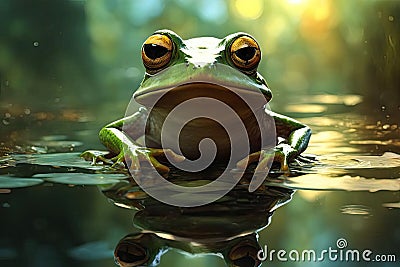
pixel 198 67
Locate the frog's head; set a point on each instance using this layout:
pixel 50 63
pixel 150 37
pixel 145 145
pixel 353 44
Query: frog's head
pixel 204 66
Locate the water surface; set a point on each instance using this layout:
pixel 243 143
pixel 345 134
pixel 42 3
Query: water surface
pixel 58 210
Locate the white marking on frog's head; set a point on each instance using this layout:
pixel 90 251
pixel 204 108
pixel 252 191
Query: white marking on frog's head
pixel 202 51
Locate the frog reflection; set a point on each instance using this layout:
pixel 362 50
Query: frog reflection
pixel 227 227
pixel 145 249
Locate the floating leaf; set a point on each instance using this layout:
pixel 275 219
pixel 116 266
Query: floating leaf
pixel 57 159
pixel 16 182
pixel 55 144
pixel 81 178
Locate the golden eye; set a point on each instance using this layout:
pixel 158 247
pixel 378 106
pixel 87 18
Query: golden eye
pixel 157 51
pixel 245 53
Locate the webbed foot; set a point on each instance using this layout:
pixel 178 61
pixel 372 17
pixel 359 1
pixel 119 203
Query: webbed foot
pixel 281 153
pixel 134 158
pixel 95 156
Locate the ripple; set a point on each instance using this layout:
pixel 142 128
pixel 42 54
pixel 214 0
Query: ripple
pixel 370 142
pixel 353 209
pixel 305 108
pixel 387 160
pixel 345 183
pixel 348 100
pixel 395 205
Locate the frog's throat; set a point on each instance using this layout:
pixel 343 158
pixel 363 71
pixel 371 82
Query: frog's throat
pixel 169 97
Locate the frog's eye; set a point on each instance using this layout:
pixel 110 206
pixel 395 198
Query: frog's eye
pixel 129 254
pixel 157 52
pixel 245 53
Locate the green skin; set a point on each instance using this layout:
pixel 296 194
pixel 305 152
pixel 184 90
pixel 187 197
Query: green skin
pixel 194 61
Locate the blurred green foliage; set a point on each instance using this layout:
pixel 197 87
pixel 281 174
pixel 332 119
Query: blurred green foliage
pixel 86 54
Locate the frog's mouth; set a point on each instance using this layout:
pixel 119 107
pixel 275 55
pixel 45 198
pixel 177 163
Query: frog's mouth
pixel 169 97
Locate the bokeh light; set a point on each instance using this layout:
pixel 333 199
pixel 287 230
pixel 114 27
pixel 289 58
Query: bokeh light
pixel 249 9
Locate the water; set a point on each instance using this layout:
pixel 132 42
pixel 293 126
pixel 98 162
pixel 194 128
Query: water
pixel 58 210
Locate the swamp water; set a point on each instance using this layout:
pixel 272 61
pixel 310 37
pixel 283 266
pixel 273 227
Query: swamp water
pixel 58 210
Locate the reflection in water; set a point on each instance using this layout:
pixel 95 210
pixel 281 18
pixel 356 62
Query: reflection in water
pixel 227 227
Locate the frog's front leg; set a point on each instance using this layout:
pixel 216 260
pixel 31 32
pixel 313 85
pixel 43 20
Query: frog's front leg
pixel 119 138
pixel 294 138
